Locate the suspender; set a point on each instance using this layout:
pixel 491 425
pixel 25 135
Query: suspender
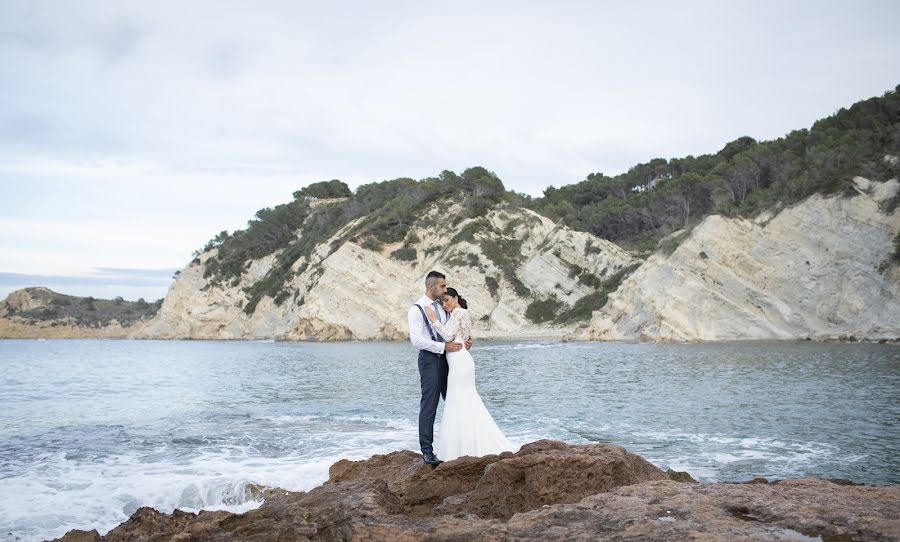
pixel 427 323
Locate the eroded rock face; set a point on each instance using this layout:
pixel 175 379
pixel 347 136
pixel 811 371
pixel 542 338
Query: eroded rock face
pixel 667 510
pixel 547 491
pixel 820 269
pixel 17 328
pixel 346 292
pixel 14 326
pixel 494 486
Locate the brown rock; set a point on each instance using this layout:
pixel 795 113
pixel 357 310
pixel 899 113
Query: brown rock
pixel 680 476
pixel 546 491
pixel 671 511
pixel 76 535
pixel 543 473
pixel 497 486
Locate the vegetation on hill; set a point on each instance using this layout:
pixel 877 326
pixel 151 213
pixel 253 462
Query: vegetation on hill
pixel 295 229
pixel 84 311
pixel 636 209
pixel 654 199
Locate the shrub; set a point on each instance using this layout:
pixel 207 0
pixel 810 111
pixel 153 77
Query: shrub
pixel 584 308
pixel 405 254
pixel 467 233
pixel 324 190
pixel 897 248
pixel 543 310
pixel 492 285
pixel 371 243
pixel 506 255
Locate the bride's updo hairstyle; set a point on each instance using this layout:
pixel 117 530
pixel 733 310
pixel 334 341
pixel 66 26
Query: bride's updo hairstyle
pixel 460 299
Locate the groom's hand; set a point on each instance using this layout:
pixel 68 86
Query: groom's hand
pixel 452 347
pixel 469 343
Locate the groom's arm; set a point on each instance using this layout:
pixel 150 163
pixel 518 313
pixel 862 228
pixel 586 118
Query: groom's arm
pixel 417 335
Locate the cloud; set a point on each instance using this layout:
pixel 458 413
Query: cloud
pixel 409 90
pixel 131 132
pixel 109 277
pixel 103 283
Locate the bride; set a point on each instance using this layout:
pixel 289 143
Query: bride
pixel 467 427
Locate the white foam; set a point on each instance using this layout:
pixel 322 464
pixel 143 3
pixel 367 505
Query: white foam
pixel 65 494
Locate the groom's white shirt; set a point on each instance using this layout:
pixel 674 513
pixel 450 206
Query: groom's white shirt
pixel 418 333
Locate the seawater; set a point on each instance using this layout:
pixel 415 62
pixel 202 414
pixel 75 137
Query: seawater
pixel 90 430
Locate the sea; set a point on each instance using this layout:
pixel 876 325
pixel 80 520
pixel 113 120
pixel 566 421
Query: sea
pixel 91 430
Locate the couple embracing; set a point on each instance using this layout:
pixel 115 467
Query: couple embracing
pixel 440 327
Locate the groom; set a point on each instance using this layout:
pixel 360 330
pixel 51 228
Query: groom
pixel 433 368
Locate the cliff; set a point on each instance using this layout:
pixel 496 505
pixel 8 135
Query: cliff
pixel 41 313
pixel 501 262
pixel 822 269
pixel 547 491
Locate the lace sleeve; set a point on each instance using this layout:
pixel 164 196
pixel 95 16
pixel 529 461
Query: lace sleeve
pixel 459 325
pixel 466 324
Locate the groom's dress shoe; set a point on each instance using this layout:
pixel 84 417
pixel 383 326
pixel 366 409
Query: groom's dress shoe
pixel 429 458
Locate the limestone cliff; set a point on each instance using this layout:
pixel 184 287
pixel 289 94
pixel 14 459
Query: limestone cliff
pixel 344 291
pixel 821 269
pixel 824 268
pixel 41 313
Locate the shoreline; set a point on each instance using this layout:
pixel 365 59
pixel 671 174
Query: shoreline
pixel 546 490
pixel 552 338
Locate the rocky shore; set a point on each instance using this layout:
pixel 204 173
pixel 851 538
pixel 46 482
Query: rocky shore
pixel 547 491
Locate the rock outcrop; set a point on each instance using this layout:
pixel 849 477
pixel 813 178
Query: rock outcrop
pixel 347 292
pixel 41 313
pixel 546 491
pixel 821 269
pixel 825 268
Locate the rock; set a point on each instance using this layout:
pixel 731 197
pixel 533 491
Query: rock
pixel 819 269
pixel 498 486
pixel 540 474
pixel 680 476
pixel 76 535
pixel 328 305
pixel 21 318
pixel 666 510
pixel 547 491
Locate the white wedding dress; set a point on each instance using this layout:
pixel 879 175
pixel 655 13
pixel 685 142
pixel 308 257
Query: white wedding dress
pixel 467 427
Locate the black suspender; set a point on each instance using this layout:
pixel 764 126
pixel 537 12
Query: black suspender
pixel 427 323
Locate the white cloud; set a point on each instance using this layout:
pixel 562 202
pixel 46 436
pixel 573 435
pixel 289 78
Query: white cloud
pixel 144 128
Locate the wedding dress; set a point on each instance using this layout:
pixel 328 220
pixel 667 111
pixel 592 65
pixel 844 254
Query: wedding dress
pixel 467 427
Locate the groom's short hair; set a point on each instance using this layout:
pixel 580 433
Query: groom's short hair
pixel 432 277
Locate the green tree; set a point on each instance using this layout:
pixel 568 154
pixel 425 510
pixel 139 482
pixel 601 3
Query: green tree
pixel 324 190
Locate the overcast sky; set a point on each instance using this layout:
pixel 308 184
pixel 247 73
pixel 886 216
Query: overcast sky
pixel 132 132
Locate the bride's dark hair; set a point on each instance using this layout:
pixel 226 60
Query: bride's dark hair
pixel 453 293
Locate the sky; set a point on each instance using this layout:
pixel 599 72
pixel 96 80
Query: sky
pixel 132 132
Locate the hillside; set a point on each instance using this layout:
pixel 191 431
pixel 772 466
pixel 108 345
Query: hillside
pixel 42 313
pixel 651 200
pixel 793 238
pixel 523 276
pixel 825 268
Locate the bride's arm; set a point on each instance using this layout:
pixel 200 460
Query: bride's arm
pixel 449 329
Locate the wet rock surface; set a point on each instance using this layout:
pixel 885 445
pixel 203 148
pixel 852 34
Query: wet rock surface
pixel 547 491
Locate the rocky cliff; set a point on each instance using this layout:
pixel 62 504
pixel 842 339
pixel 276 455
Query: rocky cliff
pixel 547 491
pixel 40 313
pixel 823 269
pixel 501 263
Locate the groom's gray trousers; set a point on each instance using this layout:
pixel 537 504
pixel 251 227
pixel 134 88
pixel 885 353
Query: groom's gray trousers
pixel 433 370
